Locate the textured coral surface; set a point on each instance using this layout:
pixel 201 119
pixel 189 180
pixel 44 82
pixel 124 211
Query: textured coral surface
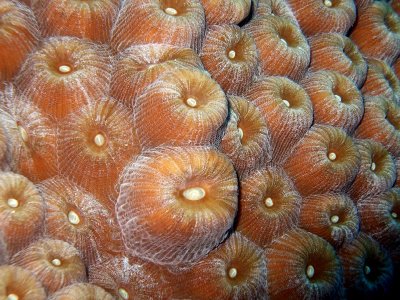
pixel 199 149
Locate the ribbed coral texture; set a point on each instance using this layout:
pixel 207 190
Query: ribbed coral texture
pixel 199 149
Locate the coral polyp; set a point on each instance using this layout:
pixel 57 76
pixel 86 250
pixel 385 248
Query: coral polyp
pixel 199 149
pixel 310 262
pixel 55 263
pixel 176 204
pixel 234 270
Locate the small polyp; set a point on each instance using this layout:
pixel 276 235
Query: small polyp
pixel 194 194
pixel 171 11
pixel 232 273
pixel 13 203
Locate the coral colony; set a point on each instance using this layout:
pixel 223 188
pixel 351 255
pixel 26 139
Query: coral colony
pixel 199 149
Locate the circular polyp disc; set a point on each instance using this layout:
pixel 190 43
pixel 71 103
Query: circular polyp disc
pixel 232 272
pixel 334 219
pixel 328 3
pixel 12 297
pixel 310 271
pixel 23 133
pixel 73 218
pixel 171 11
pixel 13 203
pixel 99 139
pixel 269 202
pixel 194 194
pixel 64 69
pixel 373 166
pixel 332 156
pixel 56 262
pixel 191 102
pixel 123 293
pixel 232 54
pixel 286 103
pixel 367 270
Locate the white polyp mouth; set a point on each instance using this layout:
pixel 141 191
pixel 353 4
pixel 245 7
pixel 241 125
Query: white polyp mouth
pixel 310 271
pixel 23 133
pixel 123 293
pixel 64 69
pixel 191 102
pixel 232 54
pixel 394 215
pixel 73 218
pixel 13 203
pixel 99 140
pixel 287 103
pixel 194 194
pixel 269 202
pixel 367 270
pixel 328 3
pixel 334 219
pixel 373 166
pixel 171 11
pixel 232 273
pixel 332 156
pixel 241 134
pixel 56 262
pixel 12 297
pixel 338 98
pixel 284 42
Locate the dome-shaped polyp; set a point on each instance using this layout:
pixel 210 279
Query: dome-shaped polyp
pixel 318 16
pixel 325 160
pixel 84 19
pixel 229 54
pixel 283 50
pixel 55 263
pixel 269 205
pixel 286 109
pixel 65 73
pixel 381 123
pixel 179 23
pixel 234 270
pixel 331 216
pixel 77 217
pixel 377 32
pixel 19 34
pixel 176 204
pixel 377 170
pixel 11 278
pixel 31 136
pixel 183 107
pixel 311 264
pixel 336 52
pixel 380 218
pixel 101 139
pixel 336 99
pixel 139 66
pixel 381 81
pixel 21 211
pixel 367 268
pixel 246 138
